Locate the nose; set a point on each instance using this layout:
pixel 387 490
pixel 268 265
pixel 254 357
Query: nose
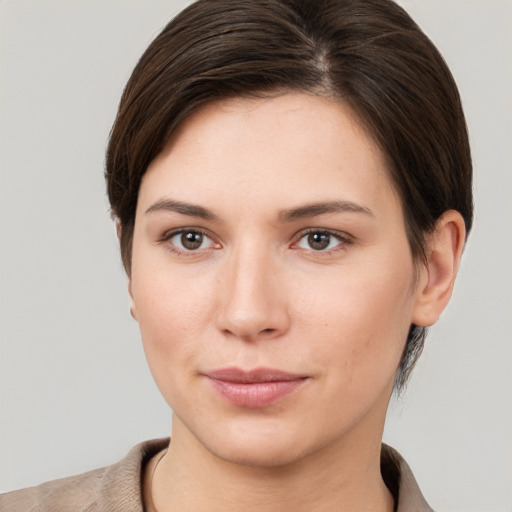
pixel 253 304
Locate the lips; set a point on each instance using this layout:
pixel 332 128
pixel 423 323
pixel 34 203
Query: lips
pixel 254 388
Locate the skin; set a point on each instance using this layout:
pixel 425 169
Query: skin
pixel 257 293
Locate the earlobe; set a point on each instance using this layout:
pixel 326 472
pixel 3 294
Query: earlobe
pixel 133 311
pixel 437 276
pixel 118 228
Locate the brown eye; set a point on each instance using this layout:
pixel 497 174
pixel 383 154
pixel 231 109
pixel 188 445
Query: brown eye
pixel 323 241
pixel 191 240
pixel 319 241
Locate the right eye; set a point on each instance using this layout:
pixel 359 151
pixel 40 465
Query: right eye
pixel 190 240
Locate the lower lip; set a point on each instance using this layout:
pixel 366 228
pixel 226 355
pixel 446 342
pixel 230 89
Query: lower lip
pixel 255 395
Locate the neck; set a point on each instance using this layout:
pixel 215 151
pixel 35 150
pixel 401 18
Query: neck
pixel 336 478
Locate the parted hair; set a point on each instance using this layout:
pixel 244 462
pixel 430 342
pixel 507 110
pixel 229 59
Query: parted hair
pixel 368 54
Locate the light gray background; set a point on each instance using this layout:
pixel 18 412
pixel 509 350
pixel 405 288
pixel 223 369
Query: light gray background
pixel 74 388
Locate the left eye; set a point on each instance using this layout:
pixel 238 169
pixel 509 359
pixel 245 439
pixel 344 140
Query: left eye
pixel 190 240
pixel 319 241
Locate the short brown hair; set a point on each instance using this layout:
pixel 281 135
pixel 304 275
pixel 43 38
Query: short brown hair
pixel 367 53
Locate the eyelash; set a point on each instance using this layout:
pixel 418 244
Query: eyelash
pixel 167 237
pixel 343 239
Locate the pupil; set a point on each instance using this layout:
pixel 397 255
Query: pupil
pixel 191 240
pixel 318 241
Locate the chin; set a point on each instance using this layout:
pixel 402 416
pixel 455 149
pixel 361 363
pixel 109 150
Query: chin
pixel 265 443
pixel 257 454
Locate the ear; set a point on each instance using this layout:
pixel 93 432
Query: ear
pixel 133 312
pixel 437 275
pixel 119 228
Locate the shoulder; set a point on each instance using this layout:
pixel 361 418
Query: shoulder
pixel 74 493
pixel 116 488
pixel 401 482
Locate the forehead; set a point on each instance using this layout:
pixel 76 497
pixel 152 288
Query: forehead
pixel 293 148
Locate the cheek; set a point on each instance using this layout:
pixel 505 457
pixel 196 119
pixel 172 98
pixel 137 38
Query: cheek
pixel 172 312
pixel 360 323
pixel 168 299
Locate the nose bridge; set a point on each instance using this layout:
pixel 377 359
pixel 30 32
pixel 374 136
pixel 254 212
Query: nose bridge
pixel 253 304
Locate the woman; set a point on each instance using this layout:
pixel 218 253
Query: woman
pixel 291 182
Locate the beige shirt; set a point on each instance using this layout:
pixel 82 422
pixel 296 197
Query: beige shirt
pixel 117 488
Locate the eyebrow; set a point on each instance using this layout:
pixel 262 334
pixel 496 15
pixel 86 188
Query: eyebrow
pixel 287 215
pixel 321 208
pixel 183 208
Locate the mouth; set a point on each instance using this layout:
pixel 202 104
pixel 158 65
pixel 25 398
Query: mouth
pixel 256 388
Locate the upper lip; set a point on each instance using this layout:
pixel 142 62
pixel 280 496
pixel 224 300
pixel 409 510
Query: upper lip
pixel 253 376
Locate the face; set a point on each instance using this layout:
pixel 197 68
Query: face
pixel 272 279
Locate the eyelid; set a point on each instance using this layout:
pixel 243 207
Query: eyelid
pixel 344 238
pixel 168 235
